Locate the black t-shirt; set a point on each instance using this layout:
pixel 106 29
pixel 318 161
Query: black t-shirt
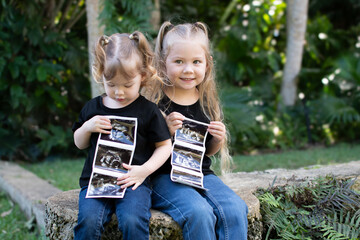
pixel 151 128
pixel 193 111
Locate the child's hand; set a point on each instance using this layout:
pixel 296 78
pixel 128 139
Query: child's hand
pixel 135 176
pixel 217 130
pixel 174 121
pixel 100 124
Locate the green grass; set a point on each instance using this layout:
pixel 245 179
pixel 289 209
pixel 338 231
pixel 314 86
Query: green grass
pixel 62 173
pixel 298 158
pixel 13 223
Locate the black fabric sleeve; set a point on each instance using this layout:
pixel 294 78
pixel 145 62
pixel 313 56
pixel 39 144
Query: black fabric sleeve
pixel 158 130
pixel 82 118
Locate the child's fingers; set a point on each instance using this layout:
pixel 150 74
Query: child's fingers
pixel 127 166
pixel 128 184
pixel 217 130
pixel 104 131
pixel 175 119
pixel 175 116
pixel 121 179
pixel 135 186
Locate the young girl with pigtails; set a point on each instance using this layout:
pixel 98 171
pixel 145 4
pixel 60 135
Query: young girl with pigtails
pixel 184 62
pixel 122 63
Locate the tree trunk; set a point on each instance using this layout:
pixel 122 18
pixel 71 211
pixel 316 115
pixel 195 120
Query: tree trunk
pixel 93 9
pixel 156 16
pixel 296 28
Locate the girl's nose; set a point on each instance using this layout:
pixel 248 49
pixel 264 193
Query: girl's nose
pixel 119 91
pixel 188 69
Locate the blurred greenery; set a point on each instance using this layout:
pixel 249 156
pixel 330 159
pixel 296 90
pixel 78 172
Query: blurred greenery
pixel 62 173
pixel 44 71
pixel 294 159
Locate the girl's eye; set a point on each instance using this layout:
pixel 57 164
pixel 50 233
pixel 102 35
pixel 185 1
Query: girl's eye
pixel 129 86
pixel 110 85
pixel 197 62
pixel 178 61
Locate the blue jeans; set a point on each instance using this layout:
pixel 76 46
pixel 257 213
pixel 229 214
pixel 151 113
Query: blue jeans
pixel 132 211
pixel 218 213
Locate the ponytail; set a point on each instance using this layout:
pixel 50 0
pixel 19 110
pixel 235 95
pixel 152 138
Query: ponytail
pixel 147 56
pixel 98 66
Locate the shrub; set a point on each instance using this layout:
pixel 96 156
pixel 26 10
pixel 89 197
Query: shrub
pixel 324 208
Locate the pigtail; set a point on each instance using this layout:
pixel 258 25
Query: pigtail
pixel 98 65
pixel 203 27
pixel 159 51
pixel 148 57
pixel 154 91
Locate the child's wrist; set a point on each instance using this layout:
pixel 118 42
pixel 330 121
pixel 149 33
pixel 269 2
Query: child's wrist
pixel 147 169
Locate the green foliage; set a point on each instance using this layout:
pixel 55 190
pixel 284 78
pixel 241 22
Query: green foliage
pixel 250 48
pixel 127 16
pixel 43 83
pixel 209 12
pixel 324 208
pixel 44 70
pixel 250 42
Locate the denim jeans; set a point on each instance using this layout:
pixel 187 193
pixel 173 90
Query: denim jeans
pixel 218 213
pixel 132 211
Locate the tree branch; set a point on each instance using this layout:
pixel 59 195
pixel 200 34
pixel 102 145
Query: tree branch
pixel 55 12
pixel 63 16
pixel 74 20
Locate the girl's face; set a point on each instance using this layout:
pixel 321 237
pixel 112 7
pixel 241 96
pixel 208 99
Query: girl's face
pixel 186 64
pixel 121 91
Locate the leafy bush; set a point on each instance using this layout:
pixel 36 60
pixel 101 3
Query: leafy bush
pixel 250 50
pixel 44 71
pixel 43 77
pixel 325 208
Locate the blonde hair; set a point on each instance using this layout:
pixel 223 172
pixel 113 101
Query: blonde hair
pixel 209 99
pixel 111 53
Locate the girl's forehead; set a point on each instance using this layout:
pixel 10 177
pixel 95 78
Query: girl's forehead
pixel 187 48
pixel 125 69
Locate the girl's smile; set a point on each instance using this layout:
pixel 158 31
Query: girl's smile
pixel 186 64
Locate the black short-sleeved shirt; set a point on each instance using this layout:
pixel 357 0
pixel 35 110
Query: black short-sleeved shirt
pixel 151 128
pixel 193 111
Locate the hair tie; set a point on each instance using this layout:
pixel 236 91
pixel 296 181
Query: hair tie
pixel 131 36
pixel 105 40
pixel 168 28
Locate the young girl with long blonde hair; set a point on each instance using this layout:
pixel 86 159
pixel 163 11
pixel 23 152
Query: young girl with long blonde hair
pixel 184 62
pixel 123 64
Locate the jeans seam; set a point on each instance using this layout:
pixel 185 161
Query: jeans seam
pixel 221 213
pixel 100 222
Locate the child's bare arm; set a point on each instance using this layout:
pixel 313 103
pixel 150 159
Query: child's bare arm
pixel 100 124
pixel 138 173
pixel 218 131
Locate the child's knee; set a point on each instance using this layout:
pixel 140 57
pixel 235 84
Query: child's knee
pixel 236 210
pixel 88 220
pixel 131 219
pixel 202 213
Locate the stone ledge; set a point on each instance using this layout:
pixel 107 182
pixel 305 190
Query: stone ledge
pixel 61 209
pixel 27 190
pixel 61 217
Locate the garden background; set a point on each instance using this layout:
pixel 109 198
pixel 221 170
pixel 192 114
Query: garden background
pixel 44 70
pixel 45 81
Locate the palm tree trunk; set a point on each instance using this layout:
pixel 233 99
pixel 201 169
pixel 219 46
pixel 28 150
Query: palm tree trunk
pixel 296 29
pixel 93 9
